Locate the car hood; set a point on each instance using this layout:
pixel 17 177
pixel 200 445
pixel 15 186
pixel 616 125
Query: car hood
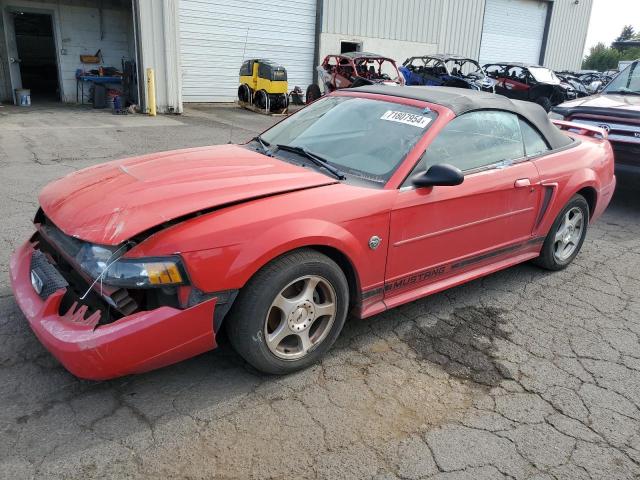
pixel 609 104
pixel 112 202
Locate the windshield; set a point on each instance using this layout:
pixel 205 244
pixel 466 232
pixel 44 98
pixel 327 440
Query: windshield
pixel 628 81
pixel 377 69
pixel 544 75
pixel 366 139
pixel 464 67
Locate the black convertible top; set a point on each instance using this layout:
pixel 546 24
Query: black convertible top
pixel 462 100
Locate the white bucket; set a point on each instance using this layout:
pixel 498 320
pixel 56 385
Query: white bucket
pixel 23 97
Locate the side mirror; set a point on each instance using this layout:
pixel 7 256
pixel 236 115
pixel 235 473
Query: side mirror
pixel 441 174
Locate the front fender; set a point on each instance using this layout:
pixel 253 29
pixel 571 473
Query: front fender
pixel 291 235
pixel 229 267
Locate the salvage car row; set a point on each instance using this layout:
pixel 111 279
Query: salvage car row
pixel 515 80
pixel 588 98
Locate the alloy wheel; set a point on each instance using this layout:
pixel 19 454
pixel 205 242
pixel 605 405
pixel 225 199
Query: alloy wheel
pixel 300 317
pixel 568 235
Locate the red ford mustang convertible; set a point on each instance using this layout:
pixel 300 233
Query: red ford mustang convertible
pixel 367 199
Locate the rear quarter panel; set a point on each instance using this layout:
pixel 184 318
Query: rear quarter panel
pixel 589 163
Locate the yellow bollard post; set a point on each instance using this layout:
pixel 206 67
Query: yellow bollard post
pixel 151 92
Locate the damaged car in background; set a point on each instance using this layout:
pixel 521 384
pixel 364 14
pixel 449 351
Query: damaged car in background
pixel 533 83
pixel 574 82
pixel 351 70
pixel 616 109
pixel 139 263
pixel 446 71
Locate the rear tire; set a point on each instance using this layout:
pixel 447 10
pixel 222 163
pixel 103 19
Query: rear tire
pixel 261 100
pixel 313 93
pixel 566 236
pixel 290 313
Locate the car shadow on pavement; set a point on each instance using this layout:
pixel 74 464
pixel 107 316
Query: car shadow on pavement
pixel 464 343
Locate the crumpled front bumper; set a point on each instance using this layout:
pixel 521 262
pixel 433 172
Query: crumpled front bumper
pixel 137 343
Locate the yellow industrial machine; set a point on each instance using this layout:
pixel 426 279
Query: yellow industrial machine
pixel 263 86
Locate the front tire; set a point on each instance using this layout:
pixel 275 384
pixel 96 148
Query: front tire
pixel 567 234
pixel 290 313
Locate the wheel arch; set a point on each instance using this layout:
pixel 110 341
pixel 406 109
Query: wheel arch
pixel 584 182
pixel 590 194
pixel 338 256
pixel 327 238
pixel 346 265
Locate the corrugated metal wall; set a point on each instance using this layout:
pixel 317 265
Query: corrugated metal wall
pixel 455 25
pixel 409 20
pixel 462 27
pixel 567 34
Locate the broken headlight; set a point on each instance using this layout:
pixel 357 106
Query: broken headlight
pixel 105 265
pixel 145 272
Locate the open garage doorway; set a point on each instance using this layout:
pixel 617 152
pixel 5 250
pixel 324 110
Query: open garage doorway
pixel 67 50
pixel 36 49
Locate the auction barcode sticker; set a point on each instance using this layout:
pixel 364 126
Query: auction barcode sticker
pixel 407 118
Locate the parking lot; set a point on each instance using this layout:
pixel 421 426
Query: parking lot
pixel 522 374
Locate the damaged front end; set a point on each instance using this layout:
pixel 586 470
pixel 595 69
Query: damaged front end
pixel 104 315
pixel 107 284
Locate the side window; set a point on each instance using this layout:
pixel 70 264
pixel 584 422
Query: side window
pixel 331 65
pixel 494 71
pixel 518 74
pixel 534 144
pixel 474 140
pixel 345 68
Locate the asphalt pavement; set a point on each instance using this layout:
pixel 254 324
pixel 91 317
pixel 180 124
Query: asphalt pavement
pixel 522 374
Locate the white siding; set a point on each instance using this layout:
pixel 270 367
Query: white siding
pixel 217 35
pixel 567 34
pixel 158 39
pixel 513 31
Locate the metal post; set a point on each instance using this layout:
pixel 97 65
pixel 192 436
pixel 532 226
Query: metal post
pixel 318 32
pixel 151 92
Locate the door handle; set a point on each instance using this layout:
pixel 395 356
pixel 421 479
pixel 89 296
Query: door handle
pixel 14 60
pixel 522 182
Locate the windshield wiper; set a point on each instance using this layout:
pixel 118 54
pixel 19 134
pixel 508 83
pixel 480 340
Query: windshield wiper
pixel 316 159
pixel 263 145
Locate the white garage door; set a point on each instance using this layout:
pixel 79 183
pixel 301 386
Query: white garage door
pixel 213 35
pixel 512 31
